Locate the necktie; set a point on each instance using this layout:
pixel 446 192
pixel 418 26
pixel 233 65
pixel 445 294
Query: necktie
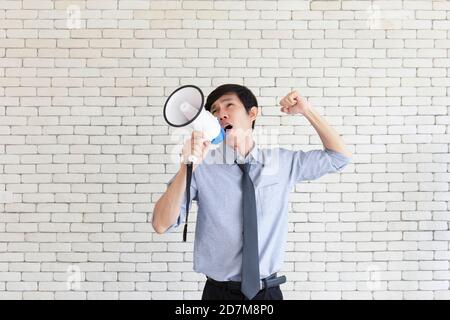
pixel 250 257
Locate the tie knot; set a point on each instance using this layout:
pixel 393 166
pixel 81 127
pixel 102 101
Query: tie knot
pixel 245 167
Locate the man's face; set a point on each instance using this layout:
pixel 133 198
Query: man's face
pixel 233 117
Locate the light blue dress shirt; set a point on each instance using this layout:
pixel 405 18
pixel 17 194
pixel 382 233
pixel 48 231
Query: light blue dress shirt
pixel 216 186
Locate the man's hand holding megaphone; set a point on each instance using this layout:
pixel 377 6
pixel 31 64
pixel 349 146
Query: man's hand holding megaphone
pixel 195 149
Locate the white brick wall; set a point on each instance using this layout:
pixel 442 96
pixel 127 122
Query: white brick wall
pixel 85 152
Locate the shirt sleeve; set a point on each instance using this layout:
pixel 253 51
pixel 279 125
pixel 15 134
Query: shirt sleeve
pixel 314 164
pixel 194 196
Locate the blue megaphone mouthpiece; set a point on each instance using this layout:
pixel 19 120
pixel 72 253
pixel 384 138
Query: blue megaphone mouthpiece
pixel 219 138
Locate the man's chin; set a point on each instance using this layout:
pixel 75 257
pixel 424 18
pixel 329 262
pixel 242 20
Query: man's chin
pixel 234 137
pixel 234 140
pixel 230 140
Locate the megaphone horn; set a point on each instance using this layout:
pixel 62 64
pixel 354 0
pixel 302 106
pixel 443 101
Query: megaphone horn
pixel 184 107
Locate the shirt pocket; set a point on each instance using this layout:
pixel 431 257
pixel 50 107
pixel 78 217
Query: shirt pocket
pixel 269 198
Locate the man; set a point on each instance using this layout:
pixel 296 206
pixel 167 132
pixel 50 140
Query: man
pixel 242 195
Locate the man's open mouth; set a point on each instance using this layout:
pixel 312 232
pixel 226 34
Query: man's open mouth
pixel 228 127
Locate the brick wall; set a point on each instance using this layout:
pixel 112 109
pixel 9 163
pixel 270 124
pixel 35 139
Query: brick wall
pixel 85 152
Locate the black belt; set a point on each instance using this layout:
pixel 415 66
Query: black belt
pixel 270 281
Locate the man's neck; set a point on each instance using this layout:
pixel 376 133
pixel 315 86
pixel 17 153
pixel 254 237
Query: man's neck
pixel 245 146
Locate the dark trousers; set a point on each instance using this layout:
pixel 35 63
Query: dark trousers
pixel 214 291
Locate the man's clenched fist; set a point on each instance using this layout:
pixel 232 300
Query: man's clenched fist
pixel 293 103
pixel 196 146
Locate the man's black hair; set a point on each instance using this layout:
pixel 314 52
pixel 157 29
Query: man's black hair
pixel 244 94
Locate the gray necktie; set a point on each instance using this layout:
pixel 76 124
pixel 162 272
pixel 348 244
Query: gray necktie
pixel 250 256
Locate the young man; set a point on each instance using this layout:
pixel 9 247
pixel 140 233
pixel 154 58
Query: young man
pixel 242 195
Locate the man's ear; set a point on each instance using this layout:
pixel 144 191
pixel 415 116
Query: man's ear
pixel 253 112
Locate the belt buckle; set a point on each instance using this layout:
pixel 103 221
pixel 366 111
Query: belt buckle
pixel 263 284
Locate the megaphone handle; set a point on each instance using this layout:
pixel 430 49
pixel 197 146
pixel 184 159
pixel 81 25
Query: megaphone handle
pixel 189 166
pixel 192 159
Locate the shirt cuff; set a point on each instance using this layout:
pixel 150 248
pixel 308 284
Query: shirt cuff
pixel 338 159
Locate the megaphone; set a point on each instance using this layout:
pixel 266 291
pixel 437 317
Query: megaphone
pixel 184 107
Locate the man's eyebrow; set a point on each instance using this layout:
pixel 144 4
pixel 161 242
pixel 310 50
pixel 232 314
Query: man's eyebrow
pixel 224 100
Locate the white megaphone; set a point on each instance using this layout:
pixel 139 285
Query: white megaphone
pixel 184 107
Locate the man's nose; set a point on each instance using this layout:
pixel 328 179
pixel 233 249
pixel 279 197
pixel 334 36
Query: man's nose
pixel 223 116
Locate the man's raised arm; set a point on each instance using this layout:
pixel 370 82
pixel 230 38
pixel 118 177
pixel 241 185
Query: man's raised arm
pixel 293 103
